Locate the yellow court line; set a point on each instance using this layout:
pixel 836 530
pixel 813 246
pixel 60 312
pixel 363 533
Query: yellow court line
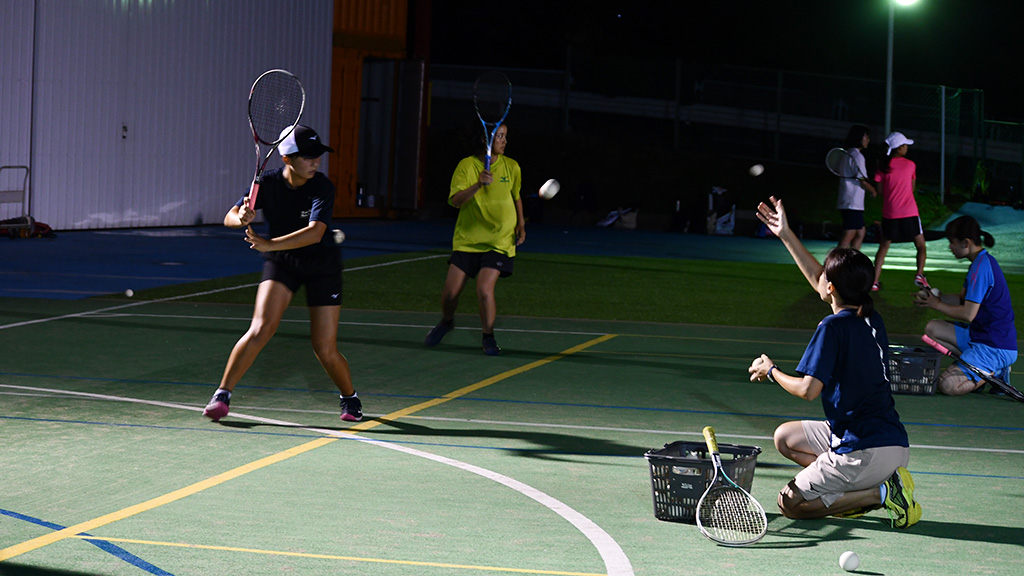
pixel 362 426
pixel 71 531
pixel 88 525
pixel 336 557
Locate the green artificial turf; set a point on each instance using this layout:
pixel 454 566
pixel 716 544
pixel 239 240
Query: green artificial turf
pixel 611 288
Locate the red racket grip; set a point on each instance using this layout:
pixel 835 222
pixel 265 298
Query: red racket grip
pixel 931 342
pixel 253 191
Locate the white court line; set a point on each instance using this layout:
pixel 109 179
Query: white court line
pixel 206 293
pixel 521 424
pixel 343 323
pixel 615 560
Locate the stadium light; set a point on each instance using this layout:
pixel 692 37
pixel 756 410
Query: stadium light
pixel 888 64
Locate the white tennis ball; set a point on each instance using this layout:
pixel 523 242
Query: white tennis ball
pixel 935 292
pixel 756 170
pixel 549 189
pixel 129 293
pixel 849 561
pixel 339 236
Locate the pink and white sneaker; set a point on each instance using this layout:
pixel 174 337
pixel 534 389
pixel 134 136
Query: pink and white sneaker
pixel 218 406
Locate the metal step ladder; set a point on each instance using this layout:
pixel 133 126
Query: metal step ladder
pixel 10 193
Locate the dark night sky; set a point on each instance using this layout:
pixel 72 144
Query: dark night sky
pixel 957 43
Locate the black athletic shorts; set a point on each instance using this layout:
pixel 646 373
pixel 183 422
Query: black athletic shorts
pixel 472 262
pixel 852 219
pixel 901 229
pixel 322 288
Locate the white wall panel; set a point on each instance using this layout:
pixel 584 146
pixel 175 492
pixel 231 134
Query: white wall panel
pixel 16 29
pixel 140 116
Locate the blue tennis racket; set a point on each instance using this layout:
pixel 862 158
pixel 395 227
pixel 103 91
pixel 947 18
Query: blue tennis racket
pixel 492 96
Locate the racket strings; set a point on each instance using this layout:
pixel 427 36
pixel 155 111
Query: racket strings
pixel 492 95
pixel 275 104
pixel 839 162
pixel 729 515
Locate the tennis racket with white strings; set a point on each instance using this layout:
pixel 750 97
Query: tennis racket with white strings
pixel 995 381
pixel 276 101
pixel 492 96
pixel 726 513
pixel 841 163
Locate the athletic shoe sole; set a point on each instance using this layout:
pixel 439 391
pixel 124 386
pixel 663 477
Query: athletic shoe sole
pixel 216 410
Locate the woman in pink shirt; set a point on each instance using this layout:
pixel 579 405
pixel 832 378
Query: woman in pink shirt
pixel 901 221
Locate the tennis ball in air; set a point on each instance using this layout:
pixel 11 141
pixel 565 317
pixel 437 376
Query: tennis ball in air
pixel 756 170
pixel 849 561
pixel 339 236
pixel 129 293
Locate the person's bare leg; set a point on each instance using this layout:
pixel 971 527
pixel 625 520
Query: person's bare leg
pixel 883 249
pixel 324 336
pixel 485 283
pixel 272 298
pixel 453 285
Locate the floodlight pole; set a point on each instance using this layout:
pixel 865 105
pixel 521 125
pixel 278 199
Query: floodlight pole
pixel 888 68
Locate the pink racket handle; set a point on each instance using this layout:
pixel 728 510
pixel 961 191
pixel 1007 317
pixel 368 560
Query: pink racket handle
pixel 931 342
pixel 253 191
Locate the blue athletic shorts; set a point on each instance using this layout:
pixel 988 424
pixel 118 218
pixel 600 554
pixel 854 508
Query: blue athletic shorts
pixel 989 359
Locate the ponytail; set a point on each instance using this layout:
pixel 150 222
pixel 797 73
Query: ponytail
pixel 967 228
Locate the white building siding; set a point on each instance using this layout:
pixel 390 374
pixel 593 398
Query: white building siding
pixel 15 95
pixel 139 114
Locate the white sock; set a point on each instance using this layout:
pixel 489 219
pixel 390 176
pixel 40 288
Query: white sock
pixel 882 492
pixel 354 395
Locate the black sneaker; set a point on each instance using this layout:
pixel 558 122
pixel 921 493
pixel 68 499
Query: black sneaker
pixel 437 333
pixel 218 406
pixel 351 409
pixel 490 346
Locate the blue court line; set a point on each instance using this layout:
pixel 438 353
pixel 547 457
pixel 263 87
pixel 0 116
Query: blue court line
pixel 107 547
pixel 415 443
pixel 527 402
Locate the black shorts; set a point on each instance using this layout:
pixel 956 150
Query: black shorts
pixel 852 219
pixel 322 289
pixel 472 262
pixel 901 229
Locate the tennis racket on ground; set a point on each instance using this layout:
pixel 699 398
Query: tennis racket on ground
pixel 492 96
pixel 276 101
pixel 996 382
pixel 841 163
pixel 727 513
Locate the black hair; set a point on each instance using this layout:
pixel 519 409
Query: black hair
pixel 851 274
pixel 855 136
pixel 476 140
pixel 967 228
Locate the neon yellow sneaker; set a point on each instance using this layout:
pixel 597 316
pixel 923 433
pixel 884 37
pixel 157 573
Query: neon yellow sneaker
pixel 904 512
pixel 855 513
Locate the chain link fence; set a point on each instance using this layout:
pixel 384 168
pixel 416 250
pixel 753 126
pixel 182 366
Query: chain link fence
pixel 788 117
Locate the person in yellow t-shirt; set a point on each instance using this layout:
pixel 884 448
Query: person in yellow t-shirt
pixel 489 227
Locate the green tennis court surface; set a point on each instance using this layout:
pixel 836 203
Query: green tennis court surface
pixel 528 463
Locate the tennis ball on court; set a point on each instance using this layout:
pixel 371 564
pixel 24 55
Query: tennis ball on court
pixel 756 170
pixel 849 561
pixel 129 293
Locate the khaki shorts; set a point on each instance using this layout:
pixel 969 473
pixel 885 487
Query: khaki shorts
pixel 832 475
